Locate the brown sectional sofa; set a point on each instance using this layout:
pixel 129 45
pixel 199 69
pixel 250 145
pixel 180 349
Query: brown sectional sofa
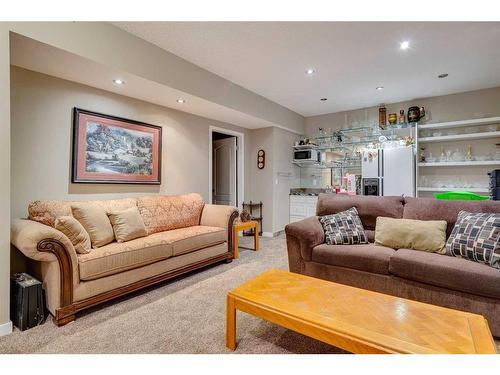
pixel 428 277
pixel 184 234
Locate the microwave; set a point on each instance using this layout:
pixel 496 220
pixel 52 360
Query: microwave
pixel 306 155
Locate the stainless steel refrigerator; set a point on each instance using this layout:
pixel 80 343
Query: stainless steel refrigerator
pixel 388 172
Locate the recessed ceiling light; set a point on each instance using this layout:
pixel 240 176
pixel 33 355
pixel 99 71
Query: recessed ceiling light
pixel 181 101
pixel 443 75
pixel 119 81
pixel 379 88
pixel 323 99
pixel 310 71
pixel 405 45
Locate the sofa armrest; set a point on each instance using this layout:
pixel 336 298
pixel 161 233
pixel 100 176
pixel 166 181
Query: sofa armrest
pixel 215 215
pixel 43 243
pixel 301 237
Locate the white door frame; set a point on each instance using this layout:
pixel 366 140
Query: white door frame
pixel 241 162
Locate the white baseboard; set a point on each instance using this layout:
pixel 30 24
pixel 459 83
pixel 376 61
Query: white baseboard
pixel 6 328
pixel 271 234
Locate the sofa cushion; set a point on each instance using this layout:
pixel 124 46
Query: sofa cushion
pixel 186 240
pixel 118 257
pixel 424 235
pixel 433 209
pixel 46 212
pixel 369 208
pixel 447 272
pixel 166 212
pixel 476 236
pixel 96 223
pixel 368 258
pixel 127 224
pixel 344 228
pixel 75 232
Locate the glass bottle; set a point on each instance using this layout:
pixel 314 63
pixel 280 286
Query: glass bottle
pixel 382 116
pixel 468 156
pixel 402 117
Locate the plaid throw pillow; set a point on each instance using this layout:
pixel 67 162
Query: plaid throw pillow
pixel 476 236
pixel 344 228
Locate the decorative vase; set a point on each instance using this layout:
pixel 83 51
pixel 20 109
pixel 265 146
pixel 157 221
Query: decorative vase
pixel 393 118
pixel 413 114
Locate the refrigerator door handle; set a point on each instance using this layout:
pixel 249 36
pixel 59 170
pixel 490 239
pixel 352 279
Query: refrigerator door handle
pixel 382 162
pixel 378 162
pixel 381 171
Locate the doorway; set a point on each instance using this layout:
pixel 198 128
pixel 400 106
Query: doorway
pixel 225 167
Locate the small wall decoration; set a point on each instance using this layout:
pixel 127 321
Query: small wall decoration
pixel 114 150
pixel 261 159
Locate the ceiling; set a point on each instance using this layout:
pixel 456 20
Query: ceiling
pixel 351 59
pixel 37 56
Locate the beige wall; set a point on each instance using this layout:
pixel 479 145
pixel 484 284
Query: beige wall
pixel 5 180
pixel 271 185
pixel 41 141
pixel 285 176
pixel 261 185
pixel 466 105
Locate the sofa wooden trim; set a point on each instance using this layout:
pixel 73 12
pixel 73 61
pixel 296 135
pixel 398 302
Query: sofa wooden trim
pixel 65 267
pixel 69 307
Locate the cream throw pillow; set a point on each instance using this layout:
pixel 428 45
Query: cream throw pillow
pixel 75 232
pixel 425 235
pixel 95 221
pixel 127 224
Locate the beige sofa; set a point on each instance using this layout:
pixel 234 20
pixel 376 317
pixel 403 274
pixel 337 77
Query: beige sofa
pixel 184 234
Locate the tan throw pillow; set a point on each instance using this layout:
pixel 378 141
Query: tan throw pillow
pixel 425 235
pixel 127 224
pixel 95 221
pixel 75 232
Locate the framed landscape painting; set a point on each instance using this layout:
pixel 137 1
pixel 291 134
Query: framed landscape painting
pixel 113 150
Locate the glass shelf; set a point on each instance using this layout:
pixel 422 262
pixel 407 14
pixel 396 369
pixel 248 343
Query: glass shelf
pixel 374 129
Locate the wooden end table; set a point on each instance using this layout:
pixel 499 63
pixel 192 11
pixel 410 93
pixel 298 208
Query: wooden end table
pixel 356 320
pixel 245 225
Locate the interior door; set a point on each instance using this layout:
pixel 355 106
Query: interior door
pixel 224 171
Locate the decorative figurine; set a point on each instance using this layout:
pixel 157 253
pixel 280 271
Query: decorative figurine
pixel 245 216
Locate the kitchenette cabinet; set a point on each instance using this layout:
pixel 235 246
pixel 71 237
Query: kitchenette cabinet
pixel 302 207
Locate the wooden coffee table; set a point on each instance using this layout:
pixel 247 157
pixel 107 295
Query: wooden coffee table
pixel 356 320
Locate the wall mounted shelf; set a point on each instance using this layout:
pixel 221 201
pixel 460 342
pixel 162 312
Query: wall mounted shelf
pixel 471 190
pixel 459 163
pixel 459 137
pixel 461 123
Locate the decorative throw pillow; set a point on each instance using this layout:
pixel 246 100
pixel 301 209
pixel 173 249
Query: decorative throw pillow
pixel 476 236
pixel 95 221
pixel 424 235
pixel 127 224
pixel 75 232
pixel 343 228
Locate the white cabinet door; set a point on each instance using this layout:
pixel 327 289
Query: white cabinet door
pixel 302 207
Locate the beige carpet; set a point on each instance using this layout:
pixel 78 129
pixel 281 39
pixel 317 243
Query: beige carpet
pixel 186 315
